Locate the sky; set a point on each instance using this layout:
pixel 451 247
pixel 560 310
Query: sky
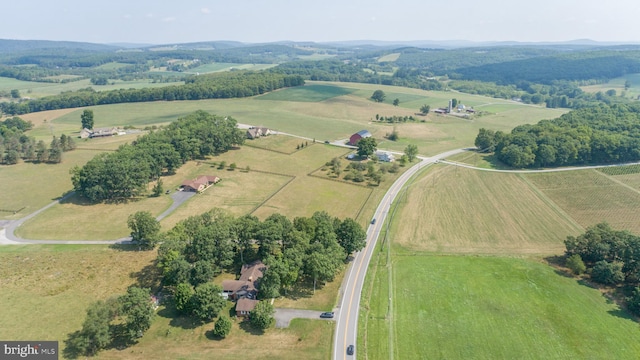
pixel 258 21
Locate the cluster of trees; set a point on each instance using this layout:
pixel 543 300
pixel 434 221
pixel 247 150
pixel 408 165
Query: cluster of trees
pixel 599 134
pixel 126 172
pixel 339 70
pixel 356 171
pixel 610 257
pixel 16 145
pixel 211 86
pixel 395 118
pixel 303 250
pixel 123 319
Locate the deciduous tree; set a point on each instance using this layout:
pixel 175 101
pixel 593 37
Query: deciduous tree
pixel 262 315
pixel 411 151
pixel 144 229
pixel 222 328
pixel 367 147
pixel 87 119
pixel 138 312
pixel 378 96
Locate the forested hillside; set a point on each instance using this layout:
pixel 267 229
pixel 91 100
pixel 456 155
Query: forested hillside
pixel 600 134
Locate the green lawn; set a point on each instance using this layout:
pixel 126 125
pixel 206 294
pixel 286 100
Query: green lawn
pixel 466 307
pixel 308 93
pixel 218 67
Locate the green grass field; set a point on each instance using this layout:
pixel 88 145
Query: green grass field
pixel 507 305
pixel 492 213
pixel 218 67
pixel 617 84
pixel 591 197
pixel 309 93
pixel 40 89
pixel 45 290
pixel 466 307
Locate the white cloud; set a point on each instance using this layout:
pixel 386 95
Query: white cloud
pixel 149 15
pixel 127 16
pixel 169 19
pixel 205 10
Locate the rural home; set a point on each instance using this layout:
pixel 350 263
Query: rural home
pixel 200 183
pixel 244 307
pixel 247 283
pixel 385 156
pixel 256 132
pixel 100 132
pixel 353 140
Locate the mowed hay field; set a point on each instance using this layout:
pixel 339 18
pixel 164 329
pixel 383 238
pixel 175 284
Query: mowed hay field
pixel 592 196
pixel 467 307
pixel 45 291
pixel 458 210
pixel 468 279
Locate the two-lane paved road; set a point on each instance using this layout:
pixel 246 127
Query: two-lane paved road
pixel 347 318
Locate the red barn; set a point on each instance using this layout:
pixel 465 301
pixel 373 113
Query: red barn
pixel 353 140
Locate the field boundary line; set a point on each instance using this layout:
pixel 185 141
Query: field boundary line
pixel 610 177
pixel 272 195
pixel 547 200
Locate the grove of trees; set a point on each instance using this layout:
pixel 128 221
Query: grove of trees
pixel 126 172
pixel 599 134
pixel 15 144
pixel 123 319
pixel 303 251
pixel 610 257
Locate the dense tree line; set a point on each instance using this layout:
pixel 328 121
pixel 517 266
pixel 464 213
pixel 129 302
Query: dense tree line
pixel 599 134
pixel 212 86
pixel 336 70
pixel 610 257
pixel 15 144
pixel 303 250
pixel 126 172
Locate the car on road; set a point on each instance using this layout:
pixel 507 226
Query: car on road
pixel 350 350
pixel 327 315
pixel 373 221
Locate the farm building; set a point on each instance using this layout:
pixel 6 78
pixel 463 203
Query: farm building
pixel 353 140
pixel 256 132
pixel 200 183
pixel 385 156
pixel 100 132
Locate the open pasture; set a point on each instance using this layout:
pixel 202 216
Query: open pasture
pixel 591 197
pixel 617 84
pixel 308 93
pixel 470 307
pixel 34 89
pixel 48 289
pixel 219 67
pixel 458 210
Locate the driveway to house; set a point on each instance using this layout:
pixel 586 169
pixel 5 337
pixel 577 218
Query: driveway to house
pixel 284 316
pixel 7 236
pixel 178 197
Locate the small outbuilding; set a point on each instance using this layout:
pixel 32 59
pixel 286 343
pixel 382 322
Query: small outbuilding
pixel 353 140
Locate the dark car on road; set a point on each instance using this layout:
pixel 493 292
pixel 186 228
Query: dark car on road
pixel 327 315
pixel 373 221
pixel 350 350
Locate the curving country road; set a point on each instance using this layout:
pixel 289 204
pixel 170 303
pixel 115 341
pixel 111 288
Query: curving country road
pixel 347 317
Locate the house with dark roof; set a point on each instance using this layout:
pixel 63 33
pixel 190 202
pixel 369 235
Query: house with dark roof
pixel 247 285
pixel 256 132
pixel 244 307
pixel 353 140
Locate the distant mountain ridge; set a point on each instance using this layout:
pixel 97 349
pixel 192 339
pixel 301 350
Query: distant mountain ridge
pixel 9 45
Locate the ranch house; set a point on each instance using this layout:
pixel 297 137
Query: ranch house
pixel 200 183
